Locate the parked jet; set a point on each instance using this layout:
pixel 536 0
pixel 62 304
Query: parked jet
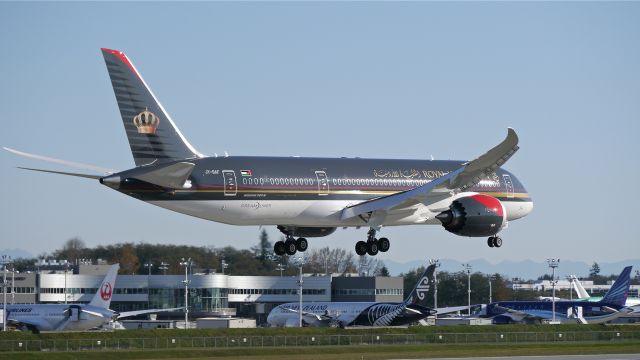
pixel 584 295
pixel 303 197
pixel 341 314
pixel 59 317
pixel 609 308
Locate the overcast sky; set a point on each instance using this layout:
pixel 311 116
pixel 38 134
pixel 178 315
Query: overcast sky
pixel 388 80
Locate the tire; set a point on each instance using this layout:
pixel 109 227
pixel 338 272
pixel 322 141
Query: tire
pixel 290 247
pixel 372 248
pixel 302 244
pixel 278 248
pixel 361 248
pixel 384 244
pixel 490 241
pixel 497 241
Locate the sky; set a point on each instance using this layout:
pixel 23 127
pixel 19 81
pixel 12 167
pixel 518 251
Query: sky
pixel 381 80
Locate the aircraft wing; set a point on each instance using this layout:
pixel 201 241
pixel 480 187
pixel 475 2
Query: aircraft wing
pixel 125 314
pixel 465 176
pixel 38 323
pixel 452 309
pixel 518 315
pixel 308 315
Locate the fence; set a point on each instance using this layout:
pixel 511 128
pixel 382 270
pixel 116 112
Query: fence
pixel 160 343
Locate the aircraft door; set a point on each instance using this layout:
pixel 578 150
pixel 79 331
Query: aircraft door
pixel 509 185
pixel 323 183
pixel 230 184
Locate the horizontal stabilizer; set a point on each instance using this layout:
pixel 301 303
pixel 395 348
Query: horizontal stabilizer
pixel 172 176
pixel 72 164
pixel 88 176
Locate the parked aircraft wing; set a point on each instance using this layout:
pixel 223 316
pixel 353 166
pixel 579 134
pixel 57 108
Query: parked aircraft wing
pixel 126 314
pixel 313 316
pixel 469 174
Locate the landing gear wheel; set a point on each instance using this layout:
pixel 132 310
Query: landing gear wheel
pixel 372 248
pixel 383 244
pixel 290 247
pixel 361 248
pixel 279 248
pixel 302 244
pixel 497 241
pixel 490 241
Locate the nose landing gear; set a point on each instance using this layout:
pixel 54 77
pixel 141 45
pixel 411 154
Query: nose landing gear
pixel 372 246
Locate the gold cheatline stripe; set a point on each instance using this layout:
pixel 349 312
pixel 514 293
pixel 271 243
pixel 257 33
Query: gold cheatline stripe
pixel 336 192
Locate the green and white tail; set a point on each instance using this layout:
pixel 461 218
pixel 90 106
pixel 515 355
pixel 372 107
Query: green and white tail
pixel 153 136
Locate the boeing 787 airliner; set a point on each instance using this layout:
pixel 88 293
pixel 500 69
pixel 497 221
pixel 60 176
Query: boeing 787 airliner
pixel 303 197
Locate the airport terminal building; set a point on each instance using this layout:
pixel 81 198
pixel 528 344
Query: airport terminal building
pixel 210 295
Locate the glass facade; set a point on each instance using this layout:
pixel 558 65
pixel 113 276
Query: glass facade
pixel 200 299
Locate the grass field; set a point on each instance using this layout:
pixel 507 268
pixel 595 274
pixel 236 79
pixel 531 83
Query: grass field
pixel 347 352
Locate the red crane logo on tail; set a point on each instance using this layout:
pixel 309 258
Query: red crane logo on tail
pixel 106 291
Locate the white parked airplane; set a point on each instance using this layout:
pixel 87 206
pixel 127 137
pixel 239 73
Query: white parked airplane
pixel 60 317
pixel 584 295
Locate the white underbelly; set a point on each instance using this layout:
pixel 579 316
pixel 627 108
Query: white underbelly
pixel 285 212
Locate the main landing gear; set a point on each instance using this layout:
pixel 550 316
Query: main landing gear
pixel 290 246
pixel 372 246
pixel 494 241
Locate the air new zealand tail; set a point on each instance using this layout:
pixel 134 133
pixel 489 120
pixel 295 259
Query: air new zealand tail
pixel 143 115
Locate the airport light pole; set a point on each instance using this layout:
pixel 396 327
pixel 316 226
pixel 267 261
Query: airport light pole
pixel 148 265
pixel 467 269
pixel 435 262
pixel 491 278
pixel 6 259
pixel 163 266
pixel 300 261
pixel 570 287
pixel 280 267
pixel 186 264
pixel 223 265
pixel 66 268
pixel 553 264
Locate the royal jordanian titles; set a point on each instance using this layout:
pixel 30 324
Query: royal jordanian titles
pixel 303 197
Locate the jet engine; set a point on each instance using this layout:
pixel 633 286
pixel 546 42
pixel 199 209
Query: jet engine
pixel 475 216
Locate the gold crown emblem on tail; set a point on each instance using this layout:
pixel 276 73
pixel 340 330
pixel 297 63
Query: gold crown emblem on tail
pixel 146 122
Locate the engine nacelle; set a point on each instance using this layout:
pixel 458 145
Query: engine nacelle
pixel 306 231
pixel 475 215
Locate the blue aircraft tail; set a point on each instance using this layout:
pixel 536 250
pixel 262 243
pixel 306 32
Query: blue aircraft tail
pixel 617 295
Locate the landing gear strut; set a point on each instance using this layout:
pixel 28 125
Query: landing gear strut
pixel 372 246
pixel 290 246
pixel 494 241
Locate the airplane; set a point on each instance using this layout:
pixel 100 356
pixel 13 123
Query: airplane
pixel 609 308
pixel 78 317
pixel 303 197
pixel 584 295
pixel 342 314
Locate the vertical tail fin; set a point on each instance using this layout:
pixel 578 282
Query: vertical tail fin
pixel 419 294
pixel 617 295
pixel 582 293
pixel 102 298
pixel 152 135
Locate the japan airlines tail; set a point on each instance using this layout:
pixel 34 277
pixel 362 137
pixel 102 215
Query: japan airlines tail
pixel 341 314
pixel 303 197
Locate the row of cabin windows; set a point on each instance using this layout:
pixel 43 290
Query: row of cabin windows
pixel 336 182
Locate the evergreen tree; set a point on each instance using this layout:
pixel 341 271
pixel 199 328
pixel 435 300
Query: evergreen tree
pixel 595 270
